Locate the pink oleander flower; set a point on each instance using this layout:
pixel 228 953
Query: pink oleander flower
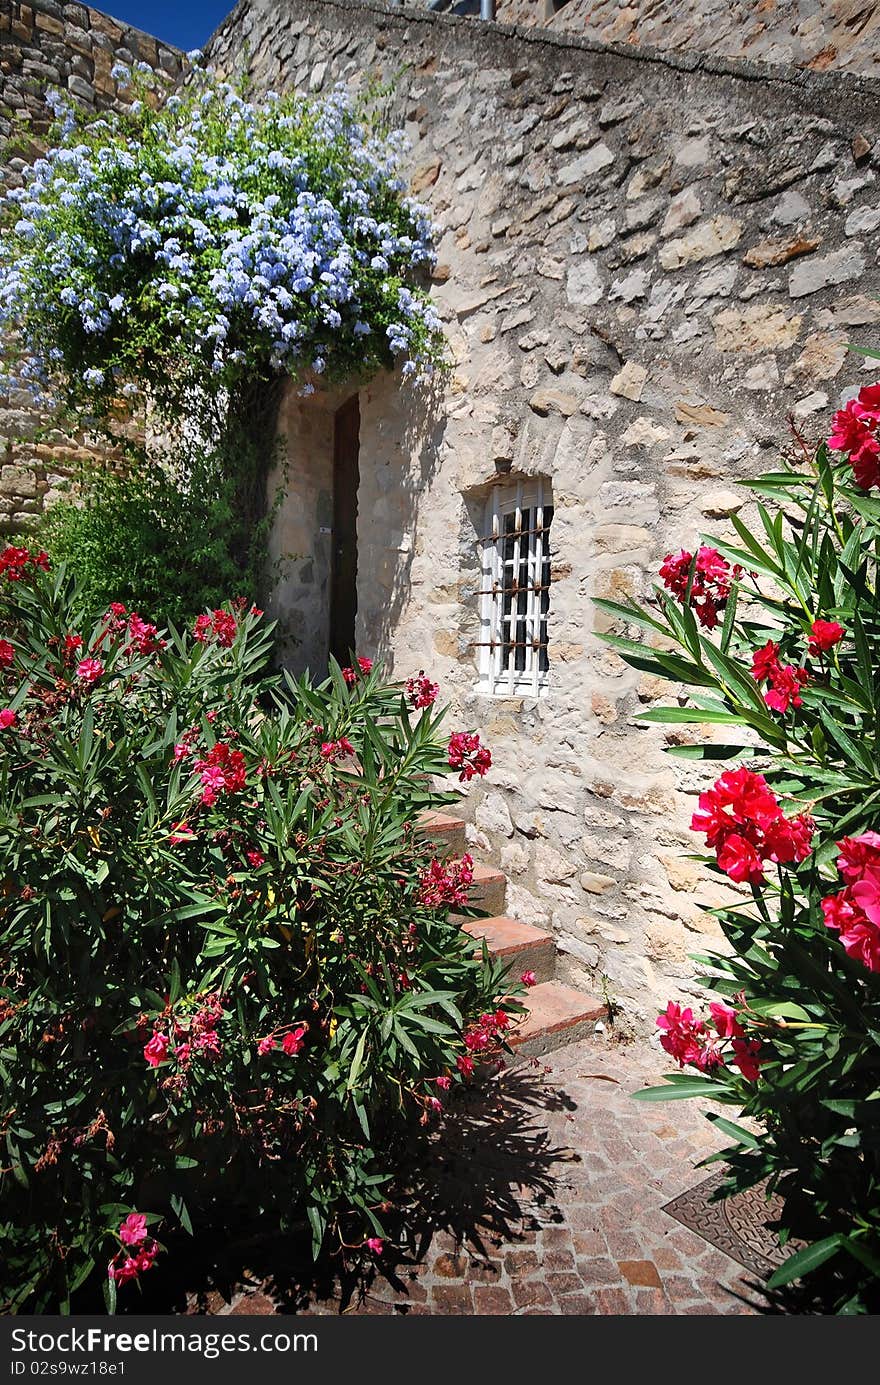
pixel 529 978
pixel 445 885
pixel 444 1083
pixel 134 1229
pixel 711 585
pixel 223 770
pixel 7 654
pixel 824 635
pixel 255 858
pixel 754 831
pixel 854 912
pixel 336 750
pixel 464 1064
pixel 786 680
pixel 292 1043
pixel 266 1045
pixel 746 1056
pixel 364 666
pixel 89 670
pixel 467 755
pixel 375 1244
pixel 421 692
pixel 8 718
pixel 156 1050
pixel 854 431
pixel 180 832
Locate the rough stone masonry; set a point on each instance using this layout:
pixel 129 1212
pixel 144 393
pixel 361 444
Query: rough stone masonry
pixel 647 260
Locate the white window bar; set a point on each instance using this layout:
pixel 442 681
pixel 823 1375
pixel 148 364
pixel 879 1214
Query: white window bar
pixel 515 597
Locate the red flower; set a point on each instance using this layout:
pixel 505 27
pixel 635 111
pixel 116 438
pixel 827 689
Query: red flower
pixel 219 625
pixel 856 853
pixel 7 654
pixel 336 750
pixel 266 1045
pixel 8 718
pixel 125 1267
pixel 765 662
pixel 745 1056
pixel 446 886
pixel 711 583
pixel 256 858
pixel 444 1083
pixel 134 1229
pixel 465 754
pixel 786 690
pixel 89 670
pixel 529 978
pixel 824 634
pixel 724 1018
pixel 351 675
pixel 788 839
pixel 754 831
pixel 156 1049
pixel 854 912
pixel 375 1244
pixel 180 832
pixel 142 636
pixel 222 771
pixel 739 859
pixel 14 562
pixel 464 1064
pixel 684 1037
pixel 421 692
pixel 786 680
pixel 853 431
pixel 292 1042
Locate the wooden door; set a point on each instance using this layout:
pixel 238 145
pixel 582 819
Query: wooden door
pixel 343 577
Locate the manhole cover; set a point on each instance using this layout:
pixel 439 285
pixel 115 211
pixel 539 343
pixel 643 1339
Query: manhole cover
pixel 742 1225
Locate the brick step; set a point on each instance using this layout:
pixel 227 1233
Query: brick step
pixel 489 890
pixel 523 947
pixel 445 831
pixel 557 1015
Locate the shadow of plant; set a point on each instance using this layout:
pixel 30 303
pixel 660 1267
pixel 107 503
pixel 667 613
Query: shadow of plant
pixel 485 1177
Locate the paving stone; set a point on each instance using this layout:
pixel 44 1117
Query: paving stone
pixel 640 1272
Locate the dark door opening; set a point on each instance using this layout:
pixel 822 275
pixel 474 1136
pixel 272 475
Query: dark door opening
pixel 343 576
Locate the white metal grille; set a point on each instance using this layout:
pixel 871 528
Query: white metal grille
pixel 515 590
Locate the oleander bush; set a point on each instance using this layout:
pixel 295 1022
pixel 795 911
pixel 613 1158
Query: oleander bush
pixel 774 637
pixel 229 979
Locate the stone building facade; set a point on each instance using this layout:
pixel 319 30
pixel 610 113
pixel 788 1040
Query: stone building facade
pixel 647 260
pixel 815 34
pixel 46 44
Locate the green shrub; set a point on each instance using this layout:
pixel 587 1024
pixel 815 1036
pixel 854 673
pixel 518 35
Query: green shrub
pixel 228 976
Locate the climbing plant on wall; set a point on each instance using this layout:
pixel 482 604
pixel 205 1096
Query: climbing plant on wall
pixel 186 257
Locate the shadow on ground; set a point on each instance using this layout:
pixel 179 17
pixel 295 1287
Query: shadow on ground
pixel 481 1180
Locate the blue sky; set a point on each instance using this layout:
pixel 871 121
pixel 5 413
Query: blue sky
pixel 185 23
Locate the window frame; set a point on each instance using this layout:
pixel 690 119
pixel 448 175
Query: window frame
pixel 511 498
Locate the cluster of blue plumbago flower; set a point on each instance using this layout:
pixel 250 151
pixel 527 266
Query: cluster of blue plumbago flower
pixel 158 249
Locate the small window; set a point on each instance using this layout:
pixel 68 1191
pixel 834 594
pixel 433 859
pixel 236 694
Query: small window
pixel 515 590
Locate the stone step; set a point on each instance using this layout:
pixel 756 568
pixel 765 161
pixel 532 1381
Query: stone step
pixel 489 890
pixel 557 1015
pixel 445 831
pixel 520 945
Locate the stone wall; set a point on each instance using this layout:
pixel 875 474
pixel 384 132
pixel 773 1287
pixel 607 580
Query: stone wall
pixel 645 264
pixel 44 44
pixel 819 34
